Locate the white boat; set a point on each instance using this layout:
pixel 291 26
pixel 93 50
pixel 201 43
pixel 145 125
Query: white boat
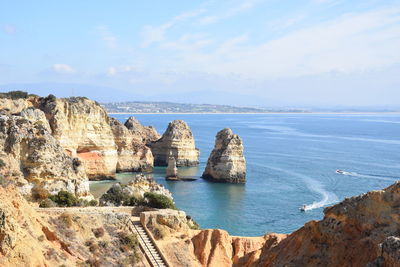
pixel 339 171
pixel 303 208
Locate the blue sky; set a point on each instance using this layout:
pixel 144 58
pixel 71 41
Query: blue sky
pixel 258 52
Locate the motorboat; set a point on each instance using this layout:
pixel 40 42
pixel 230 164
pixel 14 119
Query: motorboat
pixel 303 208
pixel 339 171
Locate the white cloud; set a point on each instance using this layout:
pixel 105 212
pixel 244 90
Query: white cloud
pixel 153 34
pixel 348 44
pixel 107 37
pixel 63 68
pixel 244 5
pixel 114 70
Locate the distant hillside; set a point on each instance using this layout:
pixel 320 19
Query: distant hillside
pixel 168 107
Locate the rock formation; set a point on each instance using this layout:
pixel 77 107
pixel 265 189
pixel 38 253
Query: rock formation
pixel 147 134
pixel 14 106
pixel 133 155
pixel 58 238
pixel 83 130
pixel 136 188
pixel 172 170
pixel 358 231
pixel 226 162
pixel 31 156
pixel 178 142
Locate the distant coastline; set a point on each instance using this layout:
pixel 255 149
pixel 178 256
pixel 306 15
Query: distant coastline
pixel 255 113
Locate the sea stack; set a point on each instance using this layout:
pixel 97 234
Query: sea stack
pixel 226 163
pixel 176 142
pixel 172 170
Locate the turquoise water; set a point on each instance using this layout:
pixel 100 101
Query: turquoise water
pixel 291 160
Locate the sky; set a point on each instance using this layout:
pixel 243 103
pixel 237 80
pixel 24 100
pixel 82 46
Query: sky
pixel 320 53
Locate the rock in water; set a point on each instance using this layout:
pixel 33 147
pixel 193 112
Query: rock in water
pixel 177 142
pixel 133 155
pixel 172 170
pixel 147 134
pixel 226 162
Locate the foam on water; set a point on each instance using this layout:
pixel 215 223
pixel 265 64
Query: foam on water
pixel 314 186
pixel 371 176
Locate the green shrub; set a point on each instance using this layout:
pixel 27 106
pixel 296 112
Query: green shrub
pixel 114 195
pixel 93 203
pixel 39 193
pixel 128 241
pixel 159 201
pixel 14 94
pixel 47 203
pixel 2 163
pixel 64 199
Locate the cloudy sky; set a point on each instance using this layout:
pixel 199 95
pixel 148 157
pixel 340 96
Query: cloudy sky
pixel 250 52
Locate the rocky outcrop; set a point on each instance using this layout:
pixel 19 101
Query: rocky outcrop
pixel 14 106
pixel 120 194
pixel 178 142
pixel 59 238
pixel 214 247
pixel 133 155
pixel 83 130
pixel 358 231
pixel 172 170
pixel 226 162
pixel 146 134
pixel 31 156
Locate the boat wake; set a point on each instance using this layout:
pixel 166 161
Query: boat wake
pixel 314 186
pixel 370 176
pixel 327 197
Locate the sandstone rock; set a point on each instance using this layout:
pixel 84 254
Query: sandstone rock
pixel 14 106
pixel 36 116
pixel 133 155
pixel 172 170
pixel 226 162
pixel 164 222
pixel 82 128
pixel 178 142
pixel 140 185
pixel 349 234
pixel 58 238
pixel 146 134
pixel 29 147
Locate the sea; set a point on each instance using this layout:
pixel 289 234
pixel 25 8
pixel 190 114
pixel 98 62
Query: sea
pixel 291 161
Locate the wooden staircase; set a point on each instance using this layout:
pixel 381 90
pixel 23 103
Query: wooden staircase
pixel 147 245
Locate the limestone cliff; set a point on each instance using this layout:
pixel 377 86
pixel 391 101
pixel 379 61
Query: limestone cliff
pixel 58 238
pixel 14 106
pixel 358 231
pixel 133 154
pixel 226 162
pixel 146 134
pixel 30 156
pixel 178 142
pixel 83 130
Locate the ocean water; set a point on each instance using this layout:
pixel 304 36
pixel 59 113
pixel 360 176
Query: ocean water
pixel 291 161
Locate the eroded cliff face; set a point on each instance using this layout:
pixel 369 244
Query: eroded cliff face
pixel 31 156
pixel 178 142
pixel 14 106
pixel 352 233
pixel 226 162
pixel 58 238
pixel 83 130
pixel 183 245
pixel 133 154
pixel 145 134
